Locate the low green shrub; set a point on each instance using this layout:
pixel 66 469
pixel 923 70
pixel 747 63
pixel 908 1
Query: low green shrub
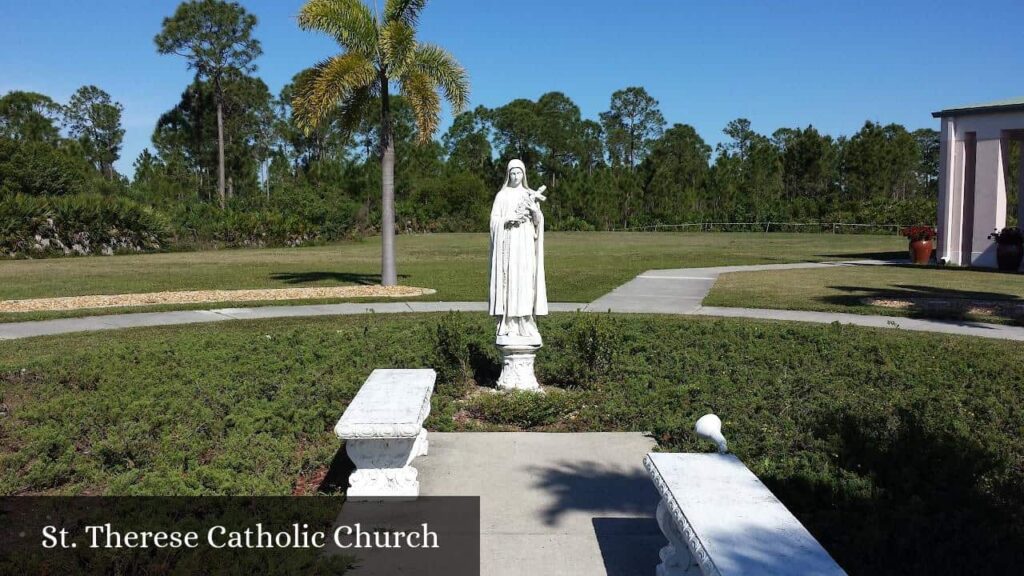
pixel 463 354
pixel 903 453
pixel 452 354
pixel 522 409
pixel 571 223
pixel 589 348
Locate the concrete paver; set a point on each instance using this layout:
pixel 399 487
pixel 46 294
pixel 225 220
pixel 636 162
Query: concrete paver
pixel 552 503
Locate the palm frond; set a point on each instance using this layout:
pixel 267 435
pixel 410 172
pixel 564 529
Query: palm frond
pixel 350 22
pixel 444 72
pixel 352 109
pixel 329 84
pixel 398 45
pixel 404 11
pixel 421 92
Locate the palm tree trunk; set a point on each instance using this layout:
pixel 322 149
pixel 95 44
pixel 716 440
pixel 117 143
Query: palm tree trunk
pixel 388 274
pixel 220 150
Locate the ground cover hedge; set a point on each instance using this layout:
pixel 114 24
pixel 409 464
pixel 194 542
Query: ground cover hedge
pixel 902 452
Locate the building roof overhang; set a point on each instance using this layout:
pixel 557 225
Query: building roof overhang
pixel 997 107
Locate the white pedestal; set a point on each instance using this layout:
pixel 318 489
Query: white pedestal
pixel 517 367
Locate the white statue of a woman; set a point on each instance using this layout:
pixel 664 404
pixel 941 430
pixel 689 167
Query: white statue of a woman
pixel 517 290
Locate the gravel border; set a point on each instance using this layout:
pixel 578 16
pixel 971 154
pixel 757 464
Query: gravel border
pixel 199 296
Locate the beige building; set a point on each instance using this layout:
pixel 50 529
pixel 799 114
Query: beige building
pixel 974 158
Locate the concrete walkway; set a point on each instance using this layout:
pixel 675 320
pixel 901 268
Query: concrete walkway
pixel 678 291
pixel 963 328
pixel 12 330
pixel 552 504
pixel 681 291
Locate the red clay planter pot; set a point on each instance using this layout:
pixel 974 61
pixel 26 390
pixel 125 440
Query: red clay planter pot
pixel 920 251
pixel 1008 256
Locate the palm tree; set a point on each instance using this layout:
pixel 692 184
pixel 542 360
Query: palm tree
pixel 378 50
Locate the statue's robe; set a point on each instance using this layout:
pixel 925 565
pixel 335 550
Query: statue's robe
pixel 517 261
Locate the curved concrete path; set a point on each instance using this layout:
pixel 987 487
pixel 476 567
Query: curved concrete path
pixel 681 291
pixel 678 291
pixel 13 330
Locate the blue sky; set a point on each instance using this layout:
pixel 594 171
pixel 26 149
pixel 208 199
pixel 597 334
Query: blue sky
pixel 779 63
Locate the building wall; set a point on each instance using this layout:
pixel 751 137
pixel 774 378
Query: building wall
pixel 989 134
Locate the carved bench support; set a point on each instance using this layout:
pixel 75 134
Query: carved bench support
pixel 383 433
pixel 676 559
pixel 422 447
pixel 382 467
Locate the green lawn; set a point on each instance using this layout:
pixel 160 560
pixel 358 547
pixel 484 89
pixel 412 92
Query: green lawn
pixel 581 266
pixel 928 292
pixel 903 453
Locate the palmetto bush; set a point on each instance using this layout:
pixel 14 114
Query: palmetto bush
pixel 79 224
pixel 292 219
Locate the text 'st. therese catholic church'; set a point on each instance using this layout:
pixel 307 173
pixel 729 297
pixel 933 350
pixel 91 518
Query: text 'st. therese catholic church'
pixel 973 171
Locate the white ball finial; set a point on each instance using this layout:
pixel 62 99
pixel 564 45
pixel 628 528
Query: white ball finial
pixel 709 427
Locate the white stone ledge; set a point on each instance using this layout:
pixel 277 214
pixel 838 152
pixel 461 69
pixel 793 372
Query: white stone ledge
pixel 720 520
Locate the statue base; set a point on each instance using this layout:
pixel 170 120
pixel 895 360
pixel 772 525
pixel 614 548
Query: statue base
pixel 517 367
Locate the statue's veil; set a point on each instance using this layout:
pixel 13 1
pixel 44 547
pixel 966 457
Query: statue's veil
pixel 515 163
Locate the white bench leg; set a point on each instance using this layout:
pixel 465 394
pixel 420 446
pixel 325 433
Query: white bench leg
pixel 676 559
pixel 382 468
pixel 421 444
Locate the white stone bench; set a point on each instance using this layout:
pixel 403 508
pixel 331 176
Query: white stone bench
pixel 720 520
pixel 383 432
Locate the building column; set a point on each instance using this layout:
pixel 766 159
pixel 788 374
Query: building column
pixel 1020 182
pixel 950 206
pixel 989 196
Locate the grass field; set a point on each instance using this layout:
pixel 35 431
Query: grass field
pixel 902 453
pixel 924 292
pixel 581 266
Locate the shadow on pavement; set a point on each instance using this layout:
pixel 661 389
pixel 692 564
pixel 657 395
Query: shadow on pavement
pixel 591 487
pixel 629 546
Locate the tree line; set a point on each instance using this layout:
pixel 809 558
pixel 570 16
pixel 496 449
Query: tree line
pixel 233 162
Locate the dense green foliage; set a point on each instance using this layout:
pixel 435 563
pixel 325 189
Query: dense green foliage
pixel 315 174
pixel 94 120
pixel 901 453
pixel 215 38
pixel 284 187
pixel 36 168
pixel 78 225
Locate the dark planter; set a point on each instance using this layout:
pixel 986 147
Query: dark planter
pixel 920 251
pixel 1008 256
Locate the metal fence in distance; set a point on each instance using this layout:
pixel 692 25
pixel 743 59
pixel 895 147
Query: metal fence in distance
pixel 832 227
